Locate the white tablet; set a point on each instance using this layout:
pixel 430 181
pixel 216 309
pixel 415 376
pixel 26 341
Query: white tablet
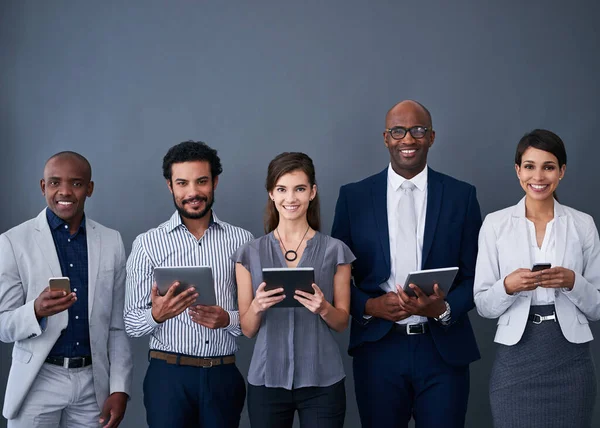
pixel 426 279
pixel 199 277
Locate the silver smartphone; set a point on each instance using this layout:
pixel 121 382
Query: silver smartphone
pixel 60 283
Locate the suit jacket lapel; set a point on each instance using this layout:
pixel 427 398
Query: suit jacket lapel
pixel 560 234
pixel 93 248
pixel 435 191
pixel 379 196
pixel 45 242
pixel 520 230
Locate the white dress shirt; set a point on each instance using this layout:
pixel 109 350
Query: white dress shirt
pixel 394 193
pixel 172 244
pixel 543 254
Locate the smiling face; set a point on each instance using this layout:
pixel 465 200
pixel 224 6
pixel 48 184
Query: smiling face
pixel 193 188
pixel 66 185
pixel 539 173
pixel 408 156
pixel 292 194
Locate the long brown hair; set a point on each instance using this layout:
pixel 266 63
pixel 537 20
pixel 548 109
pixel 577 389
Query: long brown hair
pixel 284 164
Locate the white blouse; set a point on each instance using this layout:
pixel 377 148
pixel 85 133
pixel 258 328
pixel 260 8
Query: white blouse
pixel 544 254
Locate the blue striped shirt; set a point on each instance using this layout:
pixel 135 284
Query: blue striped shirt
pixel 172 244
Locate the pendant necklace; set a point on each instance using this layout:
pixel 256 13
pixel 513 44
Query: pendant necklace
pixel 291 255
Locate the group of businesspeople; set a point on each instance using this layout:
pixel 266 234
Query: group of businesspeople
pixel 72 363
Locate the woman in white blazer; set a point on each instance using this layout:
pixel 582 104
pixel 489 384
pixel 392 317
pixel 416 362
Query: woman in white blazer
pixel 543 375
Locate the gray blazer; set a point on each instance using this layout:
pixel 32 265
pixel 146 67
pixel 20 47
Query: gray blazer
pixel 27 259
pixel 503 248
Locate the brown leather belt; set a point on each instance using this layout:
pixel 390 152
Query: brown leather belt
pixel 184 360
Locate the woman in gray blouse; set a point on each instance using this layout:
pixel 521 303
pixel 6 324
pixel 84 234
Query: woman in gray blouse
pixel 296 364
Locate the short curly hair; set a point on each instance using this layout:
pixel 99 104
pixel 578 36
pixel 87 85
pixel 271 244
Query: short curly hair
pixel 190 151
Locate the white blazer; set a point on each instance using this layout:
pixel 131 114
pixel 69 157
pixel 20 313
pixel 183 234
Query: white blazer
pixel 27 259
pixel 503 248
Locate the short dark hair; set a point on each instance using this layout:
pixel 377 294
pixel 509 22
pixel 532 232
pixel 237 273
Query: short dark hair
pixel 190 151
pixel 71 154
pixel 545 140
pixel 285 163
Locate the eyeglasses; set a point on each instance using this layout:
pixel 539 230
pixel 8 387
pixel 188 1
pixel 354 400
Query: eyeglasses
pixel 399 132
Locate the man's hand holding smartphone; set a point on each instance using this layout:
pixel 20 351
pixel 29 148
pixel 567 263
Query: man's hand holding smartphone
pixel 55 298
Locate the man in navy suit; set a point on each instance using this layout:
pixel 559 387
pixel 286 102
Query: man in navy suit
pixel 411 355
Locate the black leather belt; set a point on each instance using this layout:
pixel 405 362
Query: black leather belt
pixel 70 363
pixel 411 329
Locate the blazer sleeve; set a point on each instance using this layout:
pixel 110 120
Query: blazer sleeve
pixel 119 348
pixel 586 290
pixel 341 230
pixel 17 317
pixel 460 298
pixel 490 295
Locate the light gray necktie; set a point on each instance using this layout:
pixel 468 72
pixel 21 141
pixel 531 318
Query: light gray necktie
pixel 406 239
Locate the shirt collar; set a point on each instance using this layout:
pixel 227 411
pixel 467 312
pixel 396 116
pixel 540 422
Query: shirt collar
pixel 396 180
pixel 175 221
pixel 55 221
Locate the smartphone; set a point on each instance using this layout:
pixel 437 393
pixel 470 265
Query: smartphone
pixel 60 283
pixel 540 266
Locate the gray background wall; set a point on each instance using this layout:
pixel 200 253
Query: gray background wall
pixel 122 81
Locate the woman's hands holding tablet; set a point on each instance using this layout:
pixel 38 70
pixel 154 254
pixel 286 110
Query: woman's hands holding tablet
pixel 315 303
pixel 263 300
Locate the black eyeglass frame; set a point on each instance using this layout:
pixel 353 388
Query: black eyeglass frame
pixel 406 131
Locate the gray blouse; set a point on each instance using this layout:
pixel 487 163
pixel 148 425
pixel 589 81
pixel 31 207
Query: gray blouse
pixel 294 347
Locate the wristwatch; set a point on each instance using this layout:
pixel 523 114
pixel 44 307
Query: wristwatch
pixel 444 317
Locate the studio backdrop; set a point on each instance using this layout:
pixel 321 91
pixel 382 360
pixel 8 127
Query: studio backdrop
pixel 122 81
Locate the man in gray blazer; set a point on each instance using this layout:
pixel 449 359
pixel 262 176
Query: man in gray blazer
pixel 71 361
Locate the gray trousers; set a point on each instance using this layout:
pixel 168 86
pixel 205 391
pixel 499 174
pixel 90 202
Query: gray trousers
pixel 59 397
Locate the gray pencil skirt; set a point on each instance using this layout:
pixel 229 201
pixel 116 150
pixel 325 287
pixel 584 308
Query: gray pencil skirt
pixel 544 381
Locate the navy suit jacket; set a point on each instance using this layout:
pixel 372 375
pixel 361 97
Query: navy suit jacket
pixel 452 227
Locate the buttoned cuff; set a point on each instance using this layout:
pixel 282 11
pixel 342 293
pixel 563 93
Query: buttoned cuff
pixel 35 327
pixel 43 324
pixel 234 321
pixel 150 319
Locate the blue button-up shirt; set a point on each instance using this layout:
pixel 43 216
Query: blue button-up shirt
pixel 74 341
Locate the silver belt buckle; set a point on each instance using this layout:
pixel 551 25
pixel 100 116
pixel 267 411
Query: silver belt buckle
pixel 538 319
pixel 66 362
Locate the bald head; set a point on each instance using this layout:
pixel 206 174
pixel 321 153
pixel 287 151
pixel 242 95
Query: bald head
pixel 68 156
pixel 409 105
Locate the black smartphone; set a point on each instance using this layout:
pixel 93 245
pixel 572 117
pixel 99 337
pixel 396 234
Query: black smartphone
pixel 540 266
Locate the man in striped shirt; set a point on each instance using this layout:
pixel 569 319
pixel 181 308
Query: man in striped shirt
pixel 192 379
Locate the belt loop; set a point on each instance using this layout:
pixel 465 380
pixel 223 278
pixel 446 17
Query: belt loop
pixel 178 360
pixel 149 359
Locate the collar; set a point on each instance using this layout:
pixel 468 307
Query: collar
pixel 55 221
pixel 519 210
pixel 396 180
pixel 176 222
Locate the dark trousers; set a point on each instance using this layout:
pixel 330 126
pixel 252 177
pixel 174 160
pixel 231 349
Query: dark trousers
pixel 318 407
pixel 399 377
pixel 183 396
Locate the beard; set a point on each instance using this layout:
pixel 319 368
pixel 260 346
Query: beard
pixel 208 203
